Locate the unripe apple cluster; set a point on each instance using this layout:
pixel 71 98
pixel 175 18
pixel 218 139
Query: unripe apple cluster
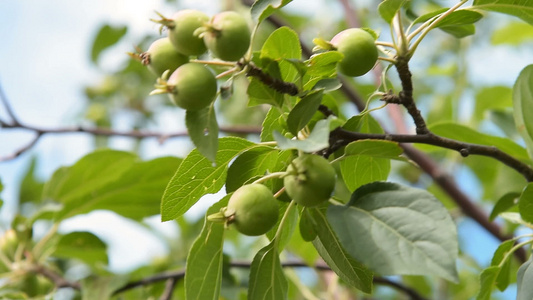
pixel 253 210
pixel 192 33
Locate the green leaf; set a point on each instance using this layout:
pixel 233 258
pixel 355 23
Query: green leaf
pixel 307 226
pixel 101 287
pixel 31 188
pixel 374 148
pixel 525 204
pixel 459 18
pixel 456 18
pixel 503 204
pixel 522 103
pixel 502 280
pixel 203 274
pixel 259 93
pixel 459 23
pixel 397 230
pixel 524 277
pixel 513 34
pixel 324 65
pixel 317 140
pixel 334 254
pixel 92 172
pixel 273 121
pixel 283 43
pixel 289 226
pixel 487 278
pixel 261 9
pixel 494 97
pixel 84 246
pixel 267 280
pixel 504 119
pixel 388 8
pixel 250 164
pixel 106 37
pixel 367 161
pixel 518 8
pixel 363 123
pixel 328 84
pixel 197 176
pixel 514 218
pixel 303 112
pixel 358 170
pixel 203 129
pixel 460 31
pixel 134 194
pixel 468 135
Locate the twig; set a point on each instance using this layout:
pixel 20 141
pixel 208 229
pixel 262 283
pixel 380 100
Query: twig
pixel 169 289
pixel 180 274
pixel 406 95
pixel 274 83
pixel 23 149
pixel 58 281
pixel 413 294
pixel 465 149
pixel 109 132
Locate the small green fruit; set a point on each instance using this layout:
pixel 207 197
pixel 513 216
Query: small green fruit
pixel 254 209
pixel 192 86
pixel 310 180
pixel 228 36
pixel 359 49
pixel 181 31
pixel 162 56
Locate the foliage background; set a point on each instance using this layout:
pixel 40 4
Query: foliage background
pixel 45 65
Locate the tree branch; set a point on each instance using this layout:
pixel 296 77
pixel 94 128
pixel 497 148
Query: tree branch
pixel 465 149
pixel 162 137
pixel 406 95
pixel 23 149
pixel 57 279
pixel 274 83
pixel 169 289
pixel 180 274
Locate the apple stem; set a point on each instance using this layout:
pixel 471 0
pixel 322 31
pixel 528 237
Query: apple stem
pixel 269 176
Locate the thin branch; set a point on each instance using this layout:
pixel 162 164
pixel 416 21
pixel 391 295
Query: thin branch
pixel 169 289
pixel 23 149
pixel 274 83
pixel 413 294
pixel 180 274
pixel 465 149
pixel 57 279
pixel 109 132
pixel 406 95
